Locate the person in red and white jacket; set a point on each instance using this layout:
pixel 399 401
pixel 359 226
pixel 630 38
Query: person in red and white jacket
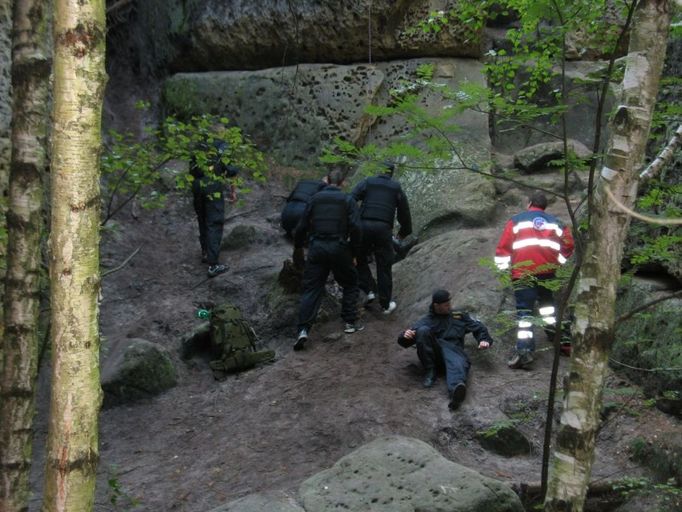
pixel 533 245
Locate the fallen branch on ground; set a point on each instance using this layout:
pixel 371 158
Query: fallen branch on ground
pixel 125 262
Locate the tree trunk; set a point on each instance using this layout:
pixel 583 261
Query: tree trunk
pixel 79 80
pixel 19 345
pixel 5 117
pixel 593 329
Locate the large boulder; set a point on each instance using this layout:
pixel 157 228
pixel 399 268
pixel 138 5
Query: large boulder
pixel 134 368
pixel 293 112
pixel 450 260
pixel 400 474
pixel 444 199
pixel 235 34
pixel 261 503
pixel 538 156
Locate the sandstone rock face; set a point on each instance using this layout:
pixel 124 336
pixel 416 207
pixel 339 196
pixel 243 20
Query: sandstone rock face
pixel 444 199
pixel 293 112
pixel 261 503
pixel 583 83
pixel 400 474
pixel 205 35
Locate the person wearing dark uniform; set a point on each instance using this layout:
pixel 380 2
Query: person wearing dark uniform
pixel 297 201
pixel 381 197
pixel 440 342
pixel 208 191
pixel 332 223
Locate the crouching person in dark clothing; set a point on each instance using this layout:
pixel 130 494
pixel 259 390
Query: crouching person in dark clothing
pixel 332 223
pixel 297 201
pixel 440 341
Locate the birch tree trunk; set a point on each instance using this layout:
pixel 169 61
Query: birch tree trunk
pixel 19 345
pixel 593 329
pixel 5 117
pixel 79 80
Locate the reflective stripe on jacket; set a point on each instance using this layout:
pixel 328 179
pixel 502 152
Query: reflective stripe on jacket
pixel 533 242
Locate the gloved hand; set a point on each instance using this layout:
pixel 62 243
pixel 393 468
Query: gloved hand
pixel 298 257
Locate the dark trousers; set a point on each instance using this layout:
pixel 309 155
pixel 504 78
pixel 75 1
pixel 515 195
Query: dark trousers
pixel 291 214
pixel 377 239
pixel 209 205
pixel 325 256
pixel 526 298
pixel 434 353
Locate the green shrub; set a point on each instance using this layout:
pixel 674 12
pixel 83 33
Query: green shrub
pixel 648 343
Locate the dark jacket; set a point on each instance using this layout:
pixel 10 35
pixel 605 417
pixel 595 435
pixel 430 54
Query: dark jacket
pixel 382 197
pixel 215 164
pixel 450 328
pixel 305 189
pixel 330 214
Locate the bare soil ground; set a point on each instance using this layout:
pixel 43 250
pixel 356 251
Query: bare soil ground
pixel 205 443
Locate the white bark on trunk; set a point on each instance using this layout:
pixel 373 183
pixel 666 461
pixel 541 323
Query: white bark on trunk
pixel 19 345
pixel 5 117
pixel 79 80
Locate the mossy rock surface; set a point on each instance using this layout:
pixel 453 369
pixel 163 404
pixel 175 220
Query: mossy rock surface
pixel 663 455
pixel 135 368
pixel 504 439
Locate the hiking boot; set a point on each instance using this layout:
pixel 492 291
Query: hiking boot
pixel 370 298
pixel 429 378
pixel 300 341
pixel 214 270
pixel 520 360
pixel 352 327
pixel 457 396
pixel 391 308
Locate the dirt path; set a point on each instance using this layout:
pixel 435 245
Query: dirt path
pixel 205 442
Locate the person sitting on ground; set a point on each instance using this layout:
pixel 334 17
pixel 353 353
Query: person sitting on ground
pixel 440 342
pixel 382 198
pixel 331 222
pixel 533 245
pixel 297 201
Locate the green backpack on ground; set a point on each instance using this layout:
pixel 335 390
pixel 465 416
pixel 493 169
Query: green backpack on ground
pixel 233 342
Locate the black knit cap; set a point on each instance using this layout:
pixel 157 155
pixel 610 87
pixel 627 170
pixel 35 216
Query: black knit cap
pixel 440 296
pixel 389 166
